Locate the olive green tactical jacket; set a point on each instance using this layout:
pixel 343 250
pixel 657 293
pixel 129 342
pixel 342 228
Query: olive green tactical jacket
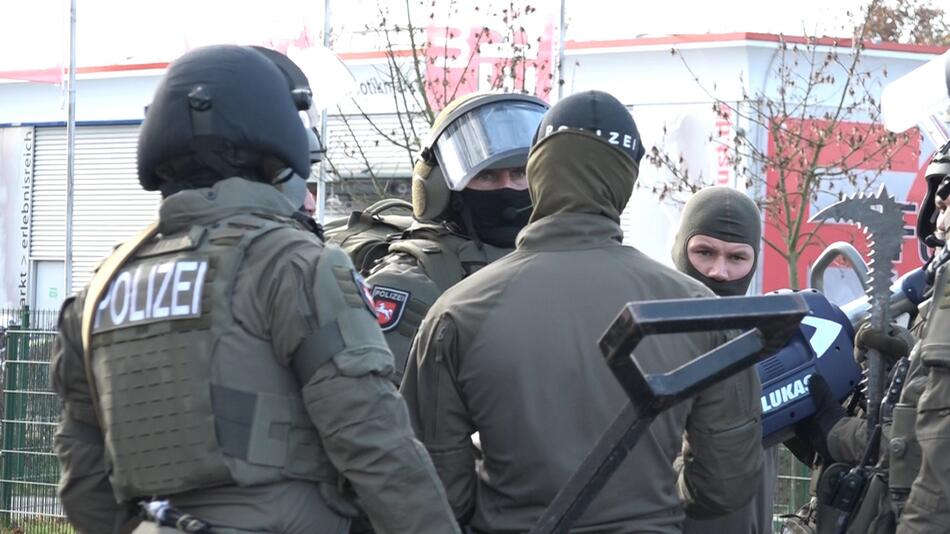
pixel 511 353
pixel 412 276
pixel 361 419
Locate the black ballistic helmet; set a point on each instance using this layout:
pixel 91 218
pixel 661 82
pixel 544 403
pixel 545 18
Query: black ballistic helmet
pixel 938 184
pixel 598 113
pixel 223 108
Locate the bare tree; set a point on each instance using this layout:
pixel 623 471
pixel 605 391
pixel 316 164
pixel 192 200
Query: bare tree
pixel 424 71
pixel 824 134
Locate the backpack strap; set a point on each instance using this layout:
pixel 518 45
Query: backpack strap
pixel 360 221
pixel 386 204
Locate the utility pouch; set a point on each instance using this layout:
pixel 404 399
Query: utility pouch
pixel 905 454
pixel 871 506
pixel 839 492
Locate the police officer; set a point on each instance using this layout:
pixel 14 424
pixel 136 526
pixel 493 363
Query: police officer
pixel 718 244
pixel 928 504
pixel 914 498
pixel 511 353
pixel 224 359
pixel 470 199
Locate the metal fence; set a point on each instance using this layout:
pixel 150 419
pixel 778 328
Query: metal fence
pixel 791 492
pixel 36 319
pixel 29 470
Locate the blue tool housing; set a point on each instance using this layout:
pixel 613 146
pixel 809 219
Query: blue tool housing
pixel 823 344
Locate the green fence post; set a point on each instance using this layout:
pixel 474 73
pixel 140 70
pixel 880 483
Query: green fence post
pixel 9 413
pixel 19 489
pixel 23 385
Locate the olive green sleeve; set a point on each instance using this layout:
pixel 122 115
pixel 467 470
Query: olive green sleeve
pixel 84 487
pixel 438 411
pixel 847 440
pixel 401 276
pixel 722 450
pixel 361 418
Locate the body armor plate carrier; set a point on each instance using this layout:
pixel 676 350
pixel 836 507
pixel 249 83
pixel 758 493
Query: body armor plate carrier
pixel 187 398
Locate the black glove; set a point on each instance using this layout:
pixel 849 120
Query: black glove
pixel 893 343
pixel 828 411
pixel 801 449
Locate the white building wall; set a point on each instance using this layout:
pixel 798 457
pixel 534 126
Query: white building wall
pixel 661 91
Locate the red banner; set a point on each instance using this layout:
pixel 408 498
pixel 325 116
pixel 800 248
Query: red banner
pixel 904 180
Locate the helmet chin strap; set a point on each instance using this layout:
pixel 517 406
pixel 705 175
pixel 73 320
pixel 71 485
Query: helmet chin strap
pixel 458 205
pixel 292 185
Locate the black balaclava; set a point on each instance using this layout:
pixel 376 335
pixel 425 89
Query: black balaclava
pixel 722 213
pixel 496 216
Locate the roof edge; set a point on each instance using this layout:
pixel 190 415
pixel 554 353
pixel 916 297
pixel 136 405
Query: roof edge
pixel 48 75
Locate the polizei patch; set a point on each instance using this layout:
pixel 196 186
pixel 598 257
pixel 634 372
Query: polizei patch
pixel 152 291
pixel 390 304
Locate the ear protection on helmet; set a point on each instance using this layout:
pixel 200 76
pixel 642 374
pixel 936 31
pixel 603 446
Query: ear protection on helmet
pixel 474 133
pixel 430 193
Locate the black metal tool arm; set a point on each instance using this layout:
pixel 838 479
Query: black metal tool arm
pixel 767 323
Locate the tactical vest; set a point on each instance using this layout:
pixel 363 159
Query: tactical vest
pixel 187 398
pixel 447 258
pixel 365 236
pixel 906 456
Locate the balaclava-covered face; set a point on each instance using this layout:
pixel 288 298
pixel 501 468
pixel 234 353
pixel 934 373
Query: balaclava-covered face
pixel 497 215
pixel 585 158
pixel 725 214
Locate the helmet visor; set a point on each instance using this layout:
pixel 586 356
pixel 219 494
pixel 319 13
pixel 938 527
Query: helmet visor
pixel 493 136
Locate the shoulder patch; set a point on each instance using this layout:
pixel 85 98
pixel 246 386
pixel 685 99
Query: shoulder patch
pixel 365 293
pixel 389 303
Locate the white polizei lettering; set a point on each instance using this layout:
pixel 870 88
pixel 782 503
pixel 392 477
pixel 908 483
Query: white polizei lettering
pixel 199 285
pixel 599 133
pixel 627 140
pixel 126 279
pixel 182 286
pixel 160 311
pixel 614 138
pixel 150 292
pixel 136 314
pixel 562 127
pixel 103 304
pixel 549 129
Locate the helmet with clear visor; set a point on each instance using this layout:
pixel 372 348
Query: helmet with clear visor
pixel 475 133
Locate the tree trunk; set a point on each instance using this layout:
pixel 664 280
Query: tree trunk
pixel 793 270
